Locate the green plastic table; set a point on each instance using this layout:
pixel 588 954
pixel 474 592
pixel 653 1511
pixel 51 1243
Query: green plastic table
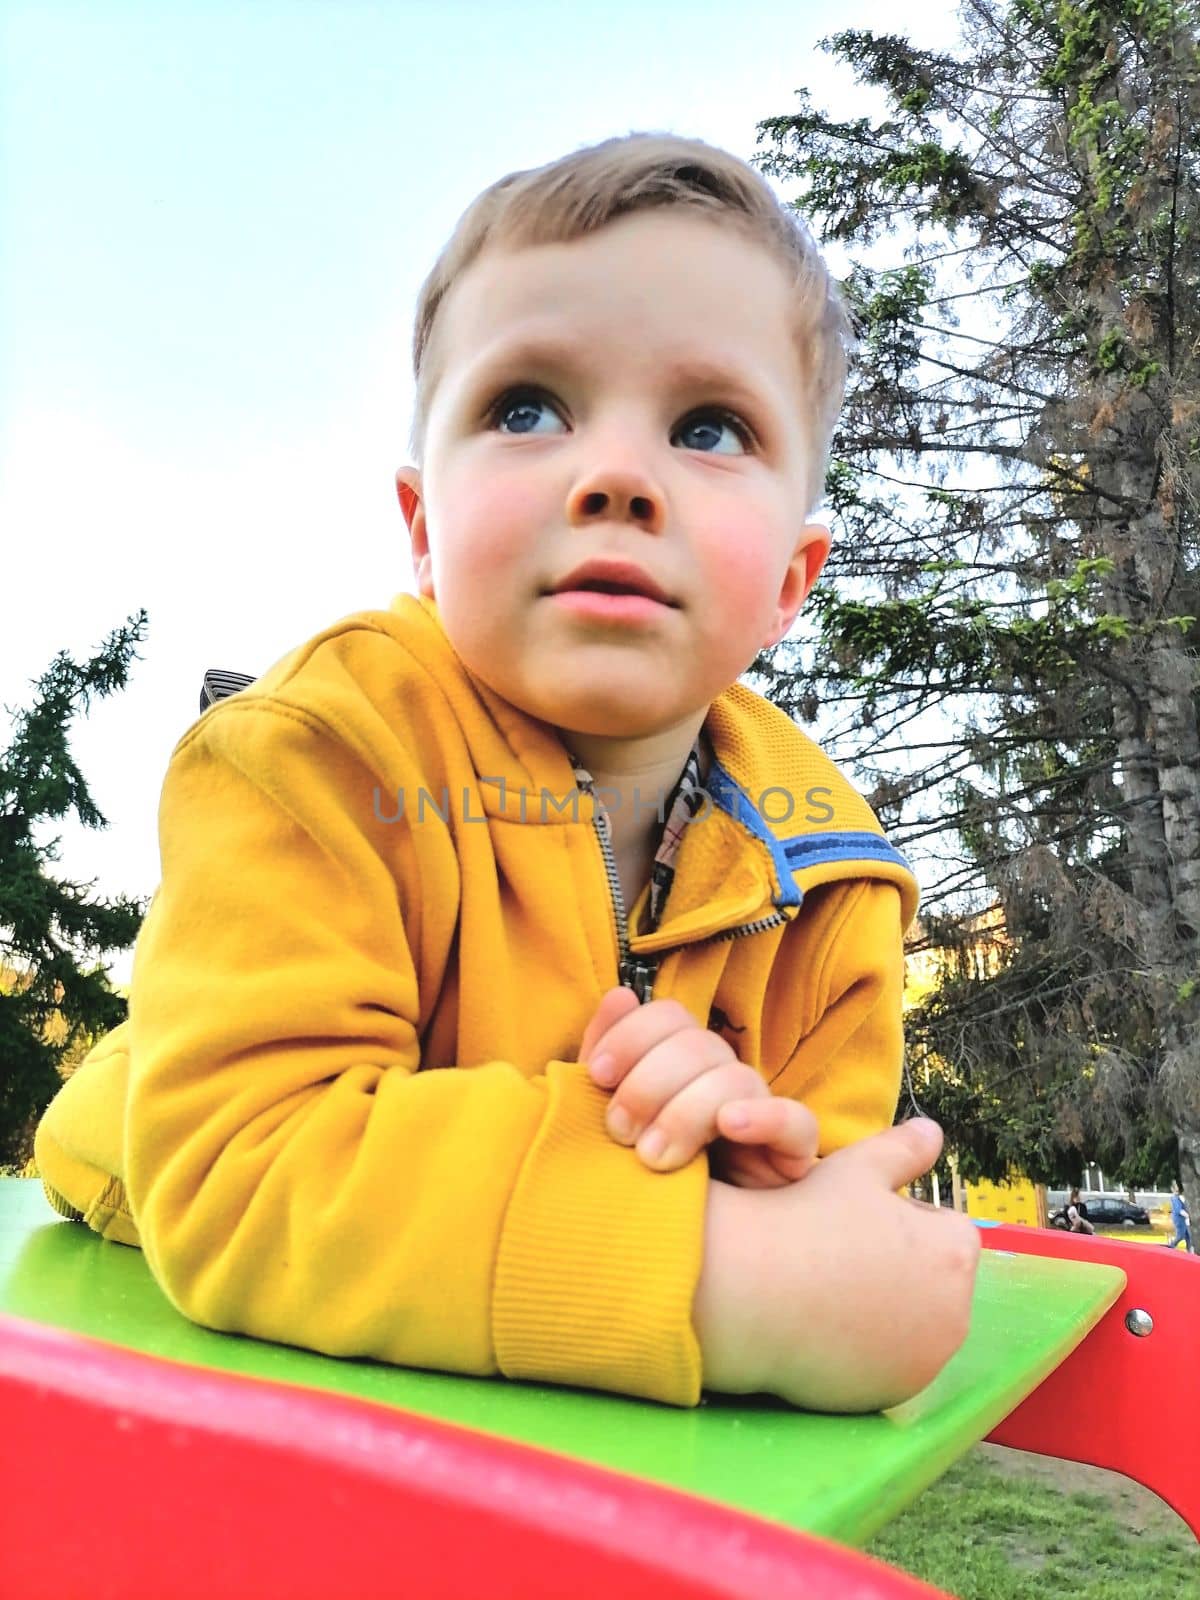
pixel 840 1477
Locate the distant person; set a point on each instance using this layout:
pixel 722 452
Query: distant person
pixel 1077 1217
pixel 1181 1221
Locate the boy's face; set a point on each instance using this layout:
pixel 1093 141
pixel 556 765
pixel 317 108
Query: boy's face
pixel 631 397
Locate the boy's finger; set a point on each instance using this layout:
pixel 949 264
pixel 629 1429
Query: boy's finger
pixel 787 1128
pixel 899 1155
pixel 614 1004
pixel 673 1097
pixel 635 1032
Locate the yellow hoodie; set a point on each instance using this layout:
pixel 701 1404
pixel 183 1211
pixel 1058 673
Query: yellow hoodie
pixel 373 871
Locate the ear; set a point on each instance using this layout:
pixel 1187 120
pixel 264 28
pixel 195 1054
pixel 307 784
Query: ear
pixel 809 556
pixel 412 505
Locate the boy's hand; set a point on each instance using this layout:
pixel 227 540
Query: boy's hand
pixel 836 1293
pixel 678 1087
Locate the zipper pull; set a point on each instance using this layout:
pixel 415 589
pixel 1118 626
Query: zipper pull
pixel 586 784
pixel 638 973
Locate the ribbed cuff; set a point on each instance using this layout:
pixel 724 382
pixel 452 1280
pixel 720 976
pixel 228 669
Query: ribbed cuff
pixel 599 1258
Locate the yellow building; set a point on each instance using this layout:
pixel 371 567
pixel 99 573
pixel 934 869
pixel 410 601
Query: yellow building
pixel 1017 1201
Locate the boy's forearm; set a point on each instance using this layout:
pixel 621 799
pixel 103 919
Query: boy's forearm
pixel 727 1295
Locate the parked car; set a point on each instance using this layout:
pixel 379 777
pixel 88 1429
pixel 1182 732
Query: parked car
pixel 1108 1211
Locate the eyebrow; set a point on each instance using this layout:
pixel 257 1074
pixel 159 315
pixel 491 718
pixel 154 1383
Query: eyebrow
pixel 559 354
pixel 690 373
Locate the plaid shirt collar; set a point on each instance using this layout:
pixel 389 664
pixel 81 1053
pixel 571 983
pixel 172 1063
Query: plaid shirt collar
pixel 685 799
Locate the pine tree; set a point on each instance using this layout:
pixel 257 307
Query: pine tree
pixel 55 995
pixel 1006 646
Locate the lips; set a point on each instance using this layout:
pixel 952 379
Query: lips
pixel 613 577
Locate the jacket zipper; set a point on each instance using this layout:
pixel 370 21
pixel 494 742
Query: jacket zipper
pixel 635 972
pixel 775 920
pixel 639 972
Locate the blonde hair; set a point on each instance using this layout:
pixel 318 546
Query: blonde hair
pixel 585 191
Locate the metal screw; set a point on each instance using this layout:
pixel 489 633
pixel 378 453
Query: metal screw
pixel 1140 1323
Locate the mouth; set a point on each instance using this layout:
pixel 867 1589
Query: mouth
pixel 620 580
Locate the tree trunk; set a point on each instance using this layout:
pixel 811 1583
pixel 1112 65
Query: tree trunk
pixel 1189 1171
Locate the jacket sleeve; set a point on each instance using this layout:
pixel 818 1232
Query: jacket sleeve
pixel 848 1063
pixel 292 1172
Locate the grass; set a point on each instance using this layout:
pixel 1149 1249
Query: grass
pixel 983 1534
pixel 1154 1234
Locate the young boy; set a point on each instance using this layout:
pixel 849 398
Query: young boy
pixel 433 838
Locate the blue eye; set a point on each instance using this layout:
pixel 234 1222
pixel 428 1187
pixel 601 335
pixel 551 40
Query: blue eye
pixel 526 413
pixel 714 432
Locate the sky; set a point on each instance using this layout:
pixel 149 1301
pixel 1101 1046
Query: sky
pixel 215 218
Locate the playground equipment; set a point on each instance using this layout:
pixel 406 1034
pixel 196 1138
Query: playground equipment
pixel 151 1457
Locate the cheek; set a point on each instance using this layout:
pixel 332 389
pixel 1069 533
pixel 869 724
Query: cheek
pixel 743 568
pixel 486 519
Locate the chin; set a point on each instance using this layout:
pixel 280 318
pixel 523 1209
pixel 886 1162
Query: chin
pixel 609 717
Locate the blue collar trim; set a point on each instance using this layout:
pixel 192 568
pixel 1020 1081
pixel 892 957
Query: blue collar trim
pixel 790 856
pixel 814 849
pixel 727 793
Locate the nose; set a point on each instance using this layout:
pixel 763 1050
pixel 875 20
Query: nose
pixel 616 490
